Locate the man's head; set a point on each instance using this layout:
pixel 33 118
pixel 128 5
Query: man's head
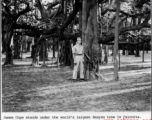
pixel 79 40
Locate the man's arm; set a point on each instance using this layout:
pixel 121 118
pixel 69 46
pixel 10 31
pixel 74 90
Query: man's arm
pixel 74 58
pixel 83 53
pixel 73 53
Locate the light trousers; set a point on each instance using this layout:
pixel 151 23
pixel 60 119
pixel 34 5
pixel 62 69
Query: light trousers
pixel 78 64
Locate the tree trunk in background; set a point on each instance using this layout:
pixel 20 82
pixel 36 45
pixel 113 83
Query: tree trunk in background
pixel 41 53
pixel 53 48
pixel 43 49
pixel 33 49
pixel 3 43
pixel 16 47
pixel 124 50
pixel 131 50
pixel 143 56
pixel 65 54
pixel 116 76
pixel 24 43
pixel 106 46
pixel 106 54
pixel 9 55
pixel 147 47
pixel 137 49
pixel 28 46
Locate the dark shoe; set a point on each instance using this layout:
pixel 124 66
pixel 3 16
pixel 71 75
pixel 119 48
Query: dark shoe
pixel 82 79
pixel 72 79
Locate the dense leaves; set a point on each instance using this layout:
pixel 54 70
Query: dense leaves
pixel 57 17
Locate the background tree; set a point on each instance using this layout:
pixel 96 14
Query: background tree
pixel 116 77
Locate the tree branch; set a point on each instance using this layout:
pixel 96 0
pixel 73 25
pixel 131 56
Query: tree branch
pixel 130 15
pixel 110 37
pixel 51 5
pixel 27 9
pixel 8 12
pixel 71 16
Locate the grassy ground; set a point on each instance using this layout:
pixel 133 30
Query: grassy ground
pixel 26 88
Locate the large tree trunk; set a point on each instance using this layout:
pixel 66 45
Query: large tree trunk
pixel 116 76
pixel 91 46
pixel 84 19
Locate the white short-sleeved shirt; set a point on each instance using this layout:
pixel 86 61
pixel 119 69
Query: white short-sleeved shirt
pixel 77 49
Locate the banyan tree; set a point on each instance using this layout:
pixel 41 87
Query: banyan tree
pixel 100 22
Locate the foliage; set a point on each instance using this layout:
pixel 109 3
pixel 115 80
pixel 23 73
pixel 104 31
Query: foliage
pixel 56 18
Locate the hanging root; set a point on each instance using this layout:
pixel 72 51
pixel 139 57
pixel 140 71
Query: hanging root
pixel 97 76
pixel 100 76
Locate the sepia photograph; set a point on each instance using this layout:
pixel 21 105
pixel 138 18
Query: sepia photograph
pixel 76 56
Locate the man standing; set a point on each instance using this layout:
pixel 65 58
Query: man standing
pixel 78 57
